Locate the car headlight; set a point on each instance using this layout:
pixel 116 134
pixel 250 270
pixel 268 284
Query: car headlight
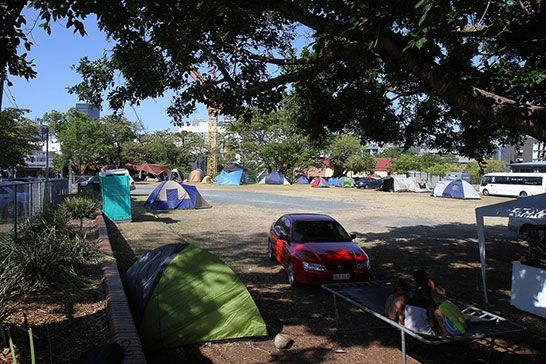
pixel 313 266
pixel 363 265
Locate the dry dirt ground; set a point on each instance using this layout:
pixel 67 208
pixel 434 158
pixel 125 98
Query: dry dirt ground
pixel 401 232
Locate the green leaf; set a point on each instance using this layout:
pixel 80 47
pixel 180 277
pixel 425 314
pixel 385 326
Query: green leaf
pixel 423 17
pixel 420 42
pixel 420 3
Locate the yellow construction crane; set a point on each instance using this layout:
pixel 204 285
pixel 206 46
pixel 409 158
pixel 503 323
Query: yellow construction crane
pixel 212 138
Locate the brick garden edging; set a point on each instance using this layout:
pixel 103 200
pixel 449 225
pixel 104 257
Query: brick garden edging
pixel 122 327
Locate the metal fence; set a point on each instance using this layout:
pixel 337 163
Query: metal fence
pixel 20 200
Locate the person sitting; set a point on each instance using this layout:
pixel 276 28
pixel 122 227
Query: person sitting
pixel 394 306
pixel 449 317
pixel 416 319
pixel 423 286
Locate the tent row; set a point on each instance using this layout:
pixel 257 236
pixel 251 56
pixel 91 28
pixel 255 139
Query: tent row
pixel 234 175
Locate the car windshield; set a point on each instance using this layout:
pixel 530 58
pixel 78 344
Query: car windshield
pixel 318 231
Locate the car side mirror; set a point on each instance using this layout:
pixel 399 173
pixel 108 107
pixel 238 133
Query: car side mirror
pixel 353 236
pixel 282 237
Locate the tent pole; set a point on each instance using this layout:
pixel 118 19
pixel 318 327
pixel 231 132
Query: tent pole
pixel 481 240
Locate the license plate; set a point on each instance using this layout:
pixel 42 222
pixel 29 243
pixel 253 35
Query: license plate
pixel 342 276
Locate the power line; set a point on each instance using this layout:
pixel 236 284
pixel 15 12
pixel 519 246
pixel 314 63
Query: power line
pixel 9 98
pixel 136 114
pixel 14 103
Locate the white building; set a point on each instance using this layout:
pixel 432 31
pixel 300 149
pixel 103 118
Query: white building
pixel 200 126
pixel 35 164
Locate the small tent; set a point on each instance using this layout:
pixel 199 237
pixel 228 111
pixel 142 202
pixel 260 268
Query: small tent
pixel 275 178
pixel 206 180
pixel 248 179
pixel 173 195
pixel 319 182
pixel 176 175
pixel 180 294
pixel 457 188
pixel 345 182
pixel 529 207
pixel 230 178
pixel 303 180
pixel 332 181
pixel 196 175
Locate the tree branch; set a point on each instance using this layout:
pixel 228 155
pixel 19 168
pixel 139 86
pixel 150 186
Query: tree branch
pixel 277 61
pixel 333 54
pixel 484 105
pixel 220 65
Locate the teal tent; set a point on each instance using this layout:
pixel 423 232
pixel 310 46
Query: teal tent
pixel 181 294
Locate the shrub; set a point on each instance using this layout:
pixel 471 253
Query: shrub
pixel 80 207
pixel 46 253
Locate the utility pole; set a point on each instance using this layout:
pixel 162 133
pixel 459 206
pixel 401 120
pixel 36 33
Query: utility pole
pixel 47 154
pixel 2 78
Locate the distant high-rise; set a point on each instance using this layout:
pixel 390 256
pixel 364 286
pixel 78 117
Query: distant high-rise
pixel 92 111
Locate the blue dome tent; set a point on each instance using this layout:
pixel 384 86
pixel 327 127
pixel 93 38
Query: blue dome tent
pixel 275 178
pixel 332 181
pixel 456 189
pixel 173 195
pixel 302 180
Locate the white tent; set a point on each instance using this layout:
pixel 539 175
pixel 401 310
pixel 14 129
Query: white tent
pixel 529 207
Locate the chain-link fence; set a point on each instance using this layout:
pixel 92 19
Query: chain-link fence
pixel 19 200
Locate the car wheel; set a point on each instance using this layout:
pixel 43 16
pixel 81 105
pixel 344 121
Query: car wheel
pixel 291 273
pixel 270 254
pixel 485 192
pixel 529 231
pixel 523 193
pixel 366 186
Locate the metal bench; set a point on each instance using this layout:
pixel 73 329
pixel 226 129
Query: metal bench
pixel 371 297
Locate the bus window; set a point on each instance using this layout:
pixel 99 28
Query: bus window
pixel 534 181
pixel 486 180
pixel 528 181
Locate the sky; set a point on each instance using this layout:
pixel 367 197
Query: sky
pixel 53 56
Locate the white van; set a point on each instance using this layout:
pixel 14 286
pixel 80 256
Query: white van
pixel 513 184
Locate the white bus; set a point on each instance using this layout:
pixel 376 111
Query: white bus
pixel 513 184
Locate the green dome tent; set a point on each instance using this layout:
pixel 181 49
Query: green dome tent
pixel 181 294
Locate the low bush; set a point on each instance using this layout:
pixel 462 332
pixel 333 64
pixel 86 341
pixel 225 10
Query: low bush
pixel 80 206
pixel 46 253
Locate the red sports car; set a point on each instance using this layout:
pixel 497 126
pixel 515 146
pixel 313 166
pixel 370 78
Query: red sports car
pixel 316 249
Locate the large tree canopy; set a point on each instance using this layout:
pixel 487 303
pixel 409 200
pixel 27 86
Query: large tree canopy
pixel 270 142
pixel 19 138
pixel 456 74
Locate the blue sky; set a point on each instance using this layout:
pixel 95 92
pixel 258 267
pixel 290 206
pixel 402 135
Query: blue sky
pixel 53 56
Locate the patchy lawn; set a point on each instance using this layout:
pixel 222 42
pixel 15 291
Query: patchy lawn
pixel 400 232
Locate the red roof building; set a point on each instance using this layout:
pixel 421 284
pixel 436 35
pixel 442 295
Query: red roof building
pixel 382 166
